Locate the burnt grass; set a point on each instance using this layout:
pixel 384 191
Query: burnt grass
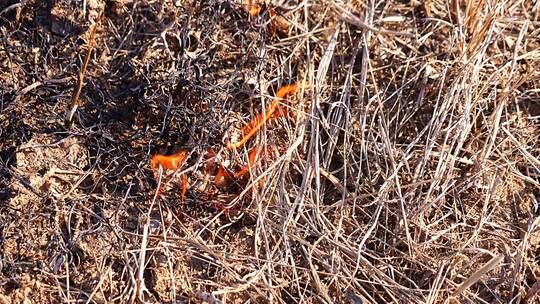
pixel 406 168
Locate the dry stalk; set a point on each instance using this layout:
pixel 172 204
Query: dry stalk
pixel 475 277
pixel 80 78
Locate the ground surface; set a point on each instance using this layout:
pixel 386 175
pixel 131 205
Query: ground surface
pixel 407 168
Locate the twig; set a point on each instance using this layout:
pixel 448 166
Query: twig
pixel 351 18
pixel 475 277
pixel 80 79
pixel 11 7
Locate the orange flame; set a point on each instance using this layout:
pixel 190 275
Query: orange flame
pixel 260 120
pixel 222 176
pixel 253 7
pixel 171 162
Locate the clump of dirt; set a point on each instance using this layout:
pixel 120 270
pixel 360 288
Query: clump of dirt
pixel 48 167
pixel 65 22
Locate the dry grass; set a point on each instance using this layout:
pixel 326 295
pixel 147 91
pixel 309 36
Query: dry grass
pixel 409 171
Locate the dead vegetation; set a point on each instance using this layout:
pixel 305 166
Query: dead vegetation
pixel 406 171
